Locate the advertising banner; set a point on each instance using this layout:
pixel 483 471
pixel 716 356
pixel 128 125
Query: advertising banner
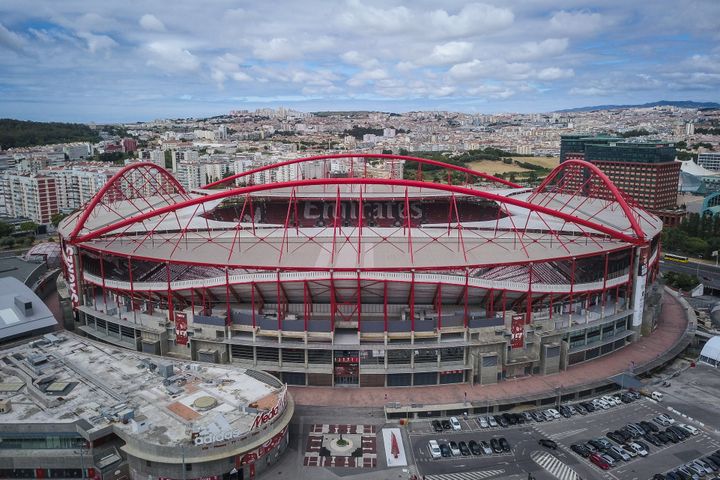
pixel 181 336
pixel 517 332
pixel 68 256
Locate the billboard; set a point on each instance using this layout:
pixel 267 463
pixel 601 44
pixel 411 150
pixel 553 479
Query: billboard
pixel 181 336
pixel 68 256
pixel 517 332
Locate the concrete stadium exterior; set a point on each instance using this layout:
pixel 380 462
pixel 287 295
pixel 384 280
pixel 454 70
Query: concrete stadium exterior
pixel 362 281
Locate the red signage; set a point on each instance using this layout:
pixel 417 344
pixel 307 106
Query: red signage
pixel 252 456
pixel 517 332
pixel 181 336
pixel 262 418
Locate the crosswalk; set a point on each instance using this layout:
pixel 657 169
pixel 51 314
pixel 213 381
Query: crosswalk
pixel 466 475
pixel 554 466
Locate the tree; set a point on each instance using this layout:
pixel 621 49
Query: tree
pixel 28 226
pixel 168 159
pixel 5 229
pixel 56 218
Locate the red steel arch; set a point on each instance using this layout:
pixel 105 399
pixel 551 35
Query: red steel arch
pixel 113 182
pixel 612 188
pixel 239 191
pixel 388 156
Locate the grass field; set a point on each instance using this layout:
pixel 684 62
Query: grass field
pixel 493 168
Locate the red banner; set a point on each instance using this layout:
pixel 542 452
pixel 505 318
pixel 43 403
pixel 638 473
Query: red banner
pixel 517 331
pixel 253 456
pixel 181 336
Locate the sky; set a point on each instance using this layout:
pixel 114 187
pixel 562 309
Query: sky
pixel 123 61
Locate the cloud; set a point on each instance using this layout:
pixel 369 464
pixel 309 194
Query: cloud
pixel 579 23
pixel 448 53
pixel 494 68
pixel 555 73
pixel 353 57
pixel 97 43
pixel 391 20
pixel 475 19
pixel 171 57
pixel 11 40
pixel 550 47
pixel 152 23
pixel 367 76
pixel 225 67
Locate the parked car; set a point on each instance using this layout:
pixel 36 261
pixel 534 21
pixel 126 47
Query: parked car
pixel 592 448
pixel 610 460
pixel 598 460
pixel 455 449
pixel 648 426
pixel 651 438
pixel 674 438
pixel 554 412
pixel 616 456
pixel 505 445
pixel 615 437
pixel 546 442
pixel 491 420
pixel 549 417
pixel 487 450
pixel 642 445
pixel 445 450
pixel 538 416
pixel 475 447
pixel 464 449
pixel 437 426
pixel 689 428
pixel 629 450
pixel 580 450
pixel 455 423
pixel 666 419
pixel 581 409
pixel 446 424
pixel 482 422
pixel 434 449
pixel 528 416
pixel 495 444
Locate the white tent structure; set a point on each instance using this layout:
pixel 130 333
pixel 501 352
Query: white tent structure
pixel 710 353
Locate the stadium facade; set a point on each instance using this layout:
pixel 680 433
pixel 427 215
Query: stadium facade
pixel 452 276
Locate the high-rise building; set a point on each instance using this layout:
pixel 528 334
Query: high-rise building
pixel 30 196
pixel 647 172
pixel 128 145
pixel 709 160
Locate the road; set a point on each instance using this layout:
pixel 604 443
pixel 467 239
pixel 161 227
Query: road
pixel 709 275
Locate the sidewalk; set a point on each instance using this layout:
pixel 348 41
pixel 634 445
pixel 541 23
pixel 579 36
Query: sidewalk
pixel 670 329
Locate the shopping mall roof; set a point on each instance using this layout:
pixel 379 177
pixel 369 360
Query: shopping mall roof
pixel 21 311
pixel 69 379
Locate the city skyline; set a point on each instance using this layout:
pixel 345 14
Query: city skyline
pixel 112 62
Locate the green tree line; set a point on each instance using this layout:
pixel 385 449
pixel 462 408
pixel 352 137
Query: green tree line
pixel 19 133
pixel 697 236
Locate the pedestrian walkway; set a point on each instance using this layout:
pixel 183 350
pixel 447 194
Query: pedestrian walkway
pixel 466 475
pixel 554 466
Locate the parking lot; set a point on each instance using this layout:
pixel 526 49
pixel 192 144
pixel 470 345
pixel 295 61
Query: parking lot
pixel 528 456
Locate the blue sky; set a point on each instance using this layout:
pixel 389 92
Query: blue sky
pixel 113 61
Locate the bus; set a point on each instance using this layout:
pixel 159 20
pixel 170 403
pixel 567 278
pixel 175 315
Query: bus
pixel 675 258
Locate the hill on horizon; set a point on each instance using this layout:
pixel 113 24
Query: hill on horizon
pixel 661 103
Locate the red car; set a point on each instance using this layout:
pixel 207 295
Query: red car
pixel 599 461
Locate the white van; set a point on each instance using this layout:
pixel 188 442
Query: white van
pixel 657 396
pixel 434 449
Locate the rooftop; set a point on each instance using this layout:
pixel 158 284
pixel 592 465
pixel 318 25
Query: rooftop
pixel 67 379
pixel 21 311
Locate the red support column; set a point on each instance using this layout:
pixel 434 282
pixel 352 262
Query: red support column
pixel 228 320
pixel 438 305
pixel 102 274
pixel 192 300
pixel 572 286
pixel 528 312
pixel 491 310
pixel 252 302
pixel 132 289
pixel 412 298
pixel 408 224
pixel 307 301
pixel 385 305
pixel 333 304
pixel 359 299
pixel 467 294
pixel 605 275
pixel 360 226
pixel 280 314
pixel 171 307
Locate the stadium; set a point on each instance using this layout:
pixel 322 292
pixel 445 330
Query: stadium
pixel 338 270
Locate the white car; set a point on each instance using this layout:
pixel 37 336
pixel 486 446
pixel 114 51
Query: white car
pixel 621 452
pixel 600 403
pixel 668 420
pixel 689 428
pixel 455 423
pixel 492 421
pixel 454 449
pixel 483 422
pixel 612 401
pixel 554 413
pixel 639 449
pixel 434 449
